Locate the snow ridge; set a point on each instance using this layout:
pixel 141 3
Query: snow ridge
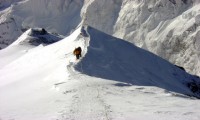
pixel 107 82
pixel 37 36
pixel 114 59
pixel 168 28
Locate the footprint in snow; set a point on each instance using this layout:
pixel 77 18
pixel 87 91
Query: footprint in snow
pixel 56 84
pixel 70 91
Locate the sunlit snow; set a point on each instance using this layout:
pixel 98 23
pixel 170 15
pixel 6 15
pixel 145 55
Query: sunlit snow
pixel 48 83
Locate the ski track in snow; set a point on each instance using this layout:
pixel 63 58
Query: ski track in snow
pixel 87 102
pixel 93 98
pixel 108 100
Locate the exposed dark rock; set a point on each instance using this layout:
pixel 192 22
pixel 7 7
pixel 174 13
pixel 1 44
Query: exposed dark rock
pixel 37 31
pixel 194 87
pixel 39 36
pixel 180 67
pixel 173 1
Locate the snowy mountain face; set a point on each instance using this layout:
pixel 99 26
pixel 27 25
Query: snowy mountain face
pixel 111 58
pixel 168 28
pixel 60 16
pixel 7 3
pixel 117 77
pixel 38 36
pixel 113 79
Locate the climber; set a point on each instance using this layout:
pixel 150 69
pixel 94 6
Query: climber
pixel 77 52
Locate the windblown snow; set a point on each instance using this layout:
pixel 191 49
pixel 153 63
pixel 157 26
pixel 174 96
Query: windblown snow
pixel 48 83
pixel 140 59
pixel 168 28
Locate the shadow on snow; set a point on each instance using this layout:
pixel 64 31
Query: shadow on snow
pixel 115 59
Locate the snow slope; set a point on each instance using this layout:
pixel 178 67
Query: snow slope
pixel 114 59
pixel 29 75
pixel 37 36
pixel 60 16
pixel 168 28
pixel 48 83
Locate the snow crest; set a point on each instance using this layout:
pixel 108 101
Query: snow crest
pixel 168 28
pixel 114 59
pixel 107 82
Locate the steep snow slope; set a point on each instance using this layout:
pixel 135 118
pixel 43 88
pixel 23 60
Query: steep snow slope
pixel 114 59
pixel 27 41
pixel 28 78
pixel 7 3
pixel 47 82
pixel 37 36
pixel 9 31
pixel 60 16
pixel 168 28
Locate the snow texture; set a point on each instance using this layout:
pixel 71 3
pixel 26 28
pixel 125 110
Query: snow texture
pixel 117 77
pixel 168 28
pixel 48 83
